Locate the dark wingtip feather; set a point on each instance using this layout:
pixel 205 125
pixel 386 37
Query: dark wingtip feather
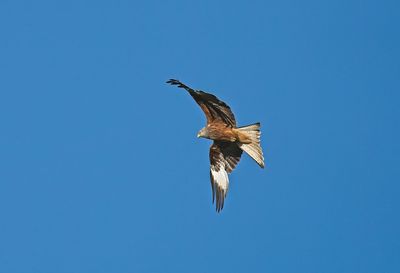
pixel 173 81
pixel 212 187
pixel 176 82
pixel 220 199
pixel 179 84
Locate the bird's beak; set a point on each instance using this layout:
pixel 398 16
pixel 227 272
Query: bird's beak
pixel 198 135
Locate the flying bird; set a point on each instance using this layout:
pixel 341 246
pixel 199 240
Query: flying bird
pixel 229 141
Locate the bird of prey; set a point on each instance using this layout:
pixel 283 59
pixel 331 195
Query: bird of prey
pixel 229 141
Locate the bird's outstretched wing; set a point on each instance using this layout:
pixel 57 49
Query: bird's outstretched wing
pixel 224 156
pixel 214 109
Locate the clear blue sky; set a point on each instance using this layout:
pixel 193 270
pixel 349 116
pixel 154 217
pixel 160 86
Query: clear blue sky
pixel 101 170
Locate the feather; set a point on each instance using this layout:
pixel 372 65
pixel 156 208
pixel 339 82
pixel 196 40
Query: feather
pixel 213 108
pixel 224 157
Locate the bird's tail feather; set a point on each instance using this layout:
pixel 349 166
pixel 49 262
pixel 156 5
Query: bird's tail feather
pixel 253 149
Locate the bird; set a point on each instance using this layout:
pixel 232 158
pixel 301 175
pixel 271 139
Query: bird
pixel 229 141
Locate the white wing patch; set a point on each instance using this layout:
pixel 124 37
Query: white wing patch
pixel 221 179
pixel 220 184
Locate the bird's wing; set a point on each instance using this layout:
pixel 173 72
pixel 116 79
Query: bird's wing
pixel 224 156
pixel 213 108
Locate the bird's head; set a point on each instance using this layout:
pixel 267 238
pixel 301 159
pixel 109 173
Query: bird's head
pixel 203 133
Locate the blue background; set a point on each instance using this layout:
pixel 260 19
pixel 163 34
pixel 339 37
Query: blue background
pixel 100 167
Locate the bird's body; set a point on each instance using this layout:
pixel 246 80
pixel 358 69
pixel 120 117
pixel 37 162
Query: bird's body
pixel 221 132
pixel 229 141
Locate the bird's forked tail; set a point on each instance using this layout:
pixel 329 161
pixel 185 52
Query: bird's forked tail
pixel 253 149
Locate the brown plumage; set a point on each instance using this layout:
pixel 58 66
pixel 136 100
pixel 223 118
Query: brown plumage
pixel 229 140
